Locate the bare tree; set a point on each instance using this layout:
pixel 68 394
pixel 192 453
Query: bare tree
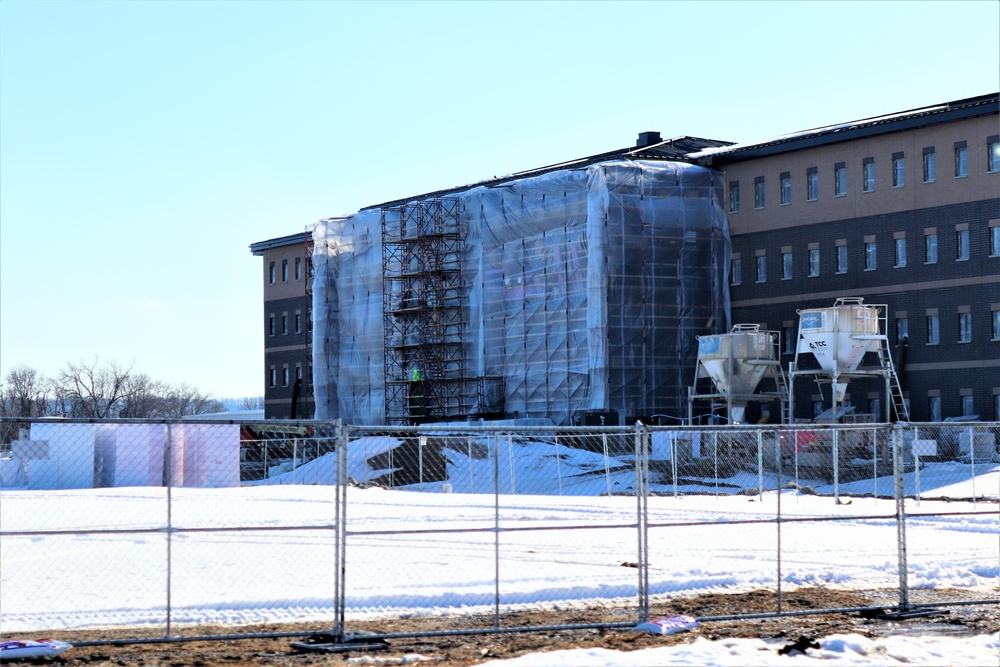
pixel 145 398
pixel 186 400
pixel 93 389
pixel 22 393
pixel 252 403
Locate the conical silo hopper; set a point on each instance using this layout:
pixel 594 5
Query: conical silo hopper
pixel 736 362
pixel 839 337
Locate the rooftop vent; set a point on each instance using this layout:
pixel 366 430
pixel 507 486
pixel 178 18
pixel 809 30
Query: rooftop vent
pixel 648 139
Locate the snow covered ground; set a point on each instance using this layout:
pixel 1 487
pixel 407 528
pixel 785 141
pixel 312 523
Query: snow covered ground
pixel 561 544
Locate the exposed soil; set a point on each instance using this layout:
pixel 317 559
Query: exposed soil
pixel 471 649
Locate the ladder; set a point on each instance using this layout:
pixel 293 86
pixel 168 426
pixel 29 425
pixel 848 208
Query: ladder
pixel 895 388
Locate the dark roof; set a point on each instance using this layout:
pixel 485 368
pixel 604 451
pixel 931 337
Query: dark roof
pixel 675 150
pixel 903 120
pixel 292 239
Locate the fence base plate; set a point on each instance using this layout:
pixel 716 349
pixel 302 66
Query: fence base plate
pixel 329 643
pixel 911 613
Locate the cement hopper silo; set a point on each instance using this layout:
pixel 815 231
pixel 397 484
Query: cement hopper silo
pixel 838 338
pixel 736 363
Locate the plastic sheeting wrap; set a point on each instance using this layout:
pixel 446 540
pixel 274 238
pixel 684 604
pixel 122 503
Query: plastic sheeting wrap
pixel 583 289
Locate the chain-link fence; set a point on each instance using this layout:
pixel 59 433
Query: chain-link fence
pixel 167 527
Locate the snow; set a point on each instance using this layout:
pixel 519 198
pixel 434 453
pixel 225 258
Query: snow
pixel 562 544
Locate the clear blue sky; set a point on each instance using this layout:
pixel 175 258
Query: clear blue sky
pixel 145 145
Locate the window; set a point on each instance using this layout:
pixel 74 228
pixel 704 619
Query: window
pixel 270 273
pixel 870 256
pixel 735 271
pixel 758 192
pixel 786 266
pixel 274 376
pixel 902 329
pixel 298 371
pixel 842 259
pixel 298 268
pixel 734 197
pixel 967 406
pixel 961 160
pixel 868 175
pixel 933 330
pixel 839 179
pixel 930 165
pixel 993 153
pixel 930 248
pixel 298 322
pixel 900 252
pixel 962 244
pixel 812 184
pixel 995 241
pixel 284 376
pixel 813 262
pixel 965 327
pixel 996 325
pixel 270 325
pixel 898 170
pixel 284 270
pixel 761 268
pixel 934 408
pixel 788 336
pixel 284 324
pixel 786 188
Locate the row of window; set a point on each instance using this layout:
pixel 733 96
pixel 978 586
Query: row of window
pixel 272 271
pixel 297 320
pixel 932 328
pixel 285 372
pixel 966 403
pixel 930 254
pixel 897 172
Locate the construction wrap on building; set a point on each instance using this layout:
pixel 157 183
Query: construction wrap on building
pixel 572 292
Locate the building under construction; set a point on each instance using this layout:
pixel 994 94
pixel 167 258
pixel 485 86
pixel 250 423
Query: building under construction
pixel 573 293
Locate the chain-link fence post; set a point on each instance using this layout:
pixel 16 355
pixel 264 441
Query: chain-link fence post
pixel 340 529
pixel 900 493
pixel 778 462
pixel 169 479
pixel 642 515
pixel 495 455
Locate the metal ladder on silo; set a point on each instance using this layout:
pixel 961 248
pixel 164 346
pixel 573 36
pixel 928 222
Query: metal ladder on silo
pixel 895 388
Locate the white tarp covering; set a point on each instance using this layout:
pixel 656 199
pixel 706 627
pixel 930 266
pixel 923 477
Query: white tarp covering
pixel 583 289
pixel 129 454
pixel 67 461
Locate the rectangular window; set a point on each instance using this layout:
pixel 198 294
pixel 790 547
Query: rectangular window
pixel 812 184
pixel 870 256
pixel 758 192
pixel 284 376
pixel 993 153
pixel 930 165
pixel 298 371
pixel 786 188
pixel 284 325
pixel 270 325
pixel 761 268
pixel 274 377
pixel 839 179
pixel 814 262
pixel 298 268
pixel 934 408
pixel 933 330
pixel 842 259
pixel 996 325
pixel 786 266
pixel 868 175
pixel 898 170
pixel 962 244
pixel 995 241
pixel 930 248
pixel 900 252
pixel 284 270
pixel 270 273
pixel 965 327
pixel 735 271
pixel 298 322
pixel 902 329
pixel 961 160
pixel 967 406
pixel 788 336
pixel 734 197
